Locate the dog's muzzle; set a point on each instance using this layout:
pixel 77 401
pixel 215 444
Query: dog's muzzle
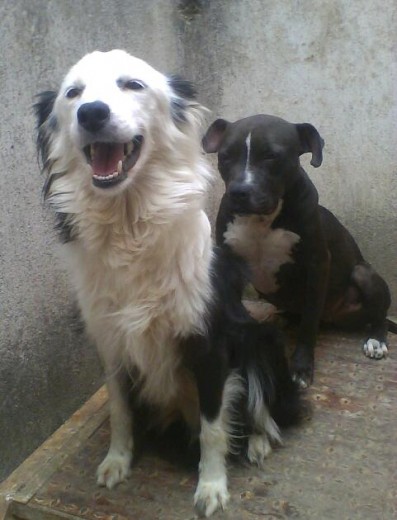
pixel 111 162
pixel 244 199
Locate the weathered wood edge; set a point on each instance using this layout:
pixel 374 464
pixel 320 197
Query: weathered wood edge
pixel 22 484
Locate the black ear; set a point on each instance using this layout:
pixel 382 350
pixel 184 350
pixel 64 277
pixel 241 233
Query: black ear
pixel 182 87
pixel 214 135
pixel 311 141
pixel 46 122
pixel 44 106
pixel 185 94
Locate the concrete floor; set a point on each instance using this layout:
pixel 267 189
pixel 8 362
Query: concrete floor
pixel 338 465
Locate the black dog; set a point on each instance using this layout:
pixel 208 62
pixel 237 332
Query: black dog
pixel 301 257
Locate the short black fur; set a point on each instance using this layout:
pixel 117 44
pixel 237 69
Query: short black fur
pixel 323 276
pixel 253 347
pixel 243 345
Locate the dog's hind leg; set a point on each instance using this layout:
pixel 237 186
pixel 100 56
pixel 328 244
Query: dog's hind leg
pixel 272 397
pixel 265 431
pixel 116 466
pixel 260 444
pixel 375 301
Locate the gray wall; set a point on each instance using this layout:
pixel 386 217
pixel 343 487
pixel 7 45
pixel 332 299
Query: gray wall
pixel 330 63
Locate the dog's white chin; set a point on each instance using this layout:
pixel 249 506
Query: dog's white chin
pixel 115 189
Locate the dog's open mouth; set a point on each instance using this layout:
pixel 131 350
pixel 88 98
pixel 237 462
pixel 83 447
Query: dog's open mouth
pixel 110 162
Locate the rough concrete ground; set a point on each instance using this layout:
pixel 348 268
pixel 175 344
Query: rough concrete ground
pixel 340 464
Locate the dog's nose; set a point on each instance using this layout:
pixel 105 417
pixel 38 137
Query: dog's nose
pixel 239 193
pixel 93 116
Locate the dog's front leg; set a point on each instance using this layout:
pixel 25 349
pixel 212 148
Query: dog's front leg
pixel 317 263
pixel 211 493
pixel 116 466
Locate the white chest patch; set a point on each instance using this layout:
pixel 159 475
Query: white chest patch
pixel 265 249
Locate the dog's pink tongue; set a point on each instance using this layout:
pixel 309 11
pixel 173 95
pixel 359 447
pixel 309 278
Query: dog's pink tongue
pixel 105 157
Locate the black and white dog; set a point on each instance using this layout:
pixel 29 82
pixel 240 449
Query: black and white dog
pixel 120 144
pixel 301 257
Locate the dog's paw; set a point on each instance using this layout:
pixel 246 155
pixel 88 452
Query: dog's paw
pixel 375 349
pixel 302 367
pixel 260 310
pixel 210 496
pixel 114 469
pixel 259 449
pixel 302 379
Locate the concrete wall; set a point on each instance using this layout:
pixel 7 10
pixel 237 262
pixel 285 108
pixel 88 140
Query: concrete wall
pixel 330 63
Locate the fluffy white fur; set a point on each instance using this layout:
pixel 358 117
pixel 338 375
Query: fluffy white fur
pixel 141 250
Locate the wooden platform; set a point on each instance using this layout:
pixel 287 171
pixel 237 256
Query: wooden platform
pixel 341 464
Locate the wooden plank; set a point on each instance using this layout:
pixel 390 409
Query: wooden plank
pixel 32 512
pixel 21 485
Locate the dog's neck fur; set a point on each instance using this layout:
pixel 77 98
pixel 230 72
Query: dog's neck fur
pixel 123 242
pixel 133 212
pixel 132 233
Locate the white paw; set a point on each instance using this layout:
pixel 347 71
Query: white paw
pixel 210 496
pixel 114 469
pixel 375 349
pixel 300 381
pixel 258 449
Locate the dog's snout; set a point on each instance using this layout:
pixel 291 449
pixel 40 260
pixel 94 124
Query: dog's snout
pixel 93 116
pixel 239 192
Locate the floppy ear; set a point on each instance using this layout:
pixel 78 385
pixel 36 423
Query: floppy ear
pixel 311 141
pixel 46 122
pixel 182 87
pixel 46 126
pixel 184 96
pixel 214 135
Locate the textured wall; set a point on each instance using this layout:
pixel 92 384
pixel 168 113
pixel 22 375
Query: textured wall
pixel 332 64
pixel 328 63
pixel 47 369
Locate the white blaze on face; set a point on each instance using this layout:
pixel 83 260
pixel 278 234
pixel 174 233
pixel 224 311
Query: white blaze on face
pixel 248 175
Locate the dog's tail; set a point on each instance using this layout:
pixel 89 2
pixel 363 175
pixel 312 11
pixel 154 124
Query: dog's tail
pixel 265 371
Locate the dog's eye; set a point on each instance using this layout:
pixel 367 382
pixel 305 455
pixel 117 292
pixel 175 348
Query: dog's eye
pixel 73 92
pixel 134 84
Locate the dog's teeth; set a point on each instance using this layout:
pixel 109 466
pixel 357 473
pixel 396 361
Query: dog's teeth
pixel 119 167
pixel 92 151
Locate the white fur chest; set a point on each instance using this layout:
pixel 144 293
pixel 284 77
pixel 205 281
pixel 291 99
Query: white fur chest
pixel 265 249
pixel 139 307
